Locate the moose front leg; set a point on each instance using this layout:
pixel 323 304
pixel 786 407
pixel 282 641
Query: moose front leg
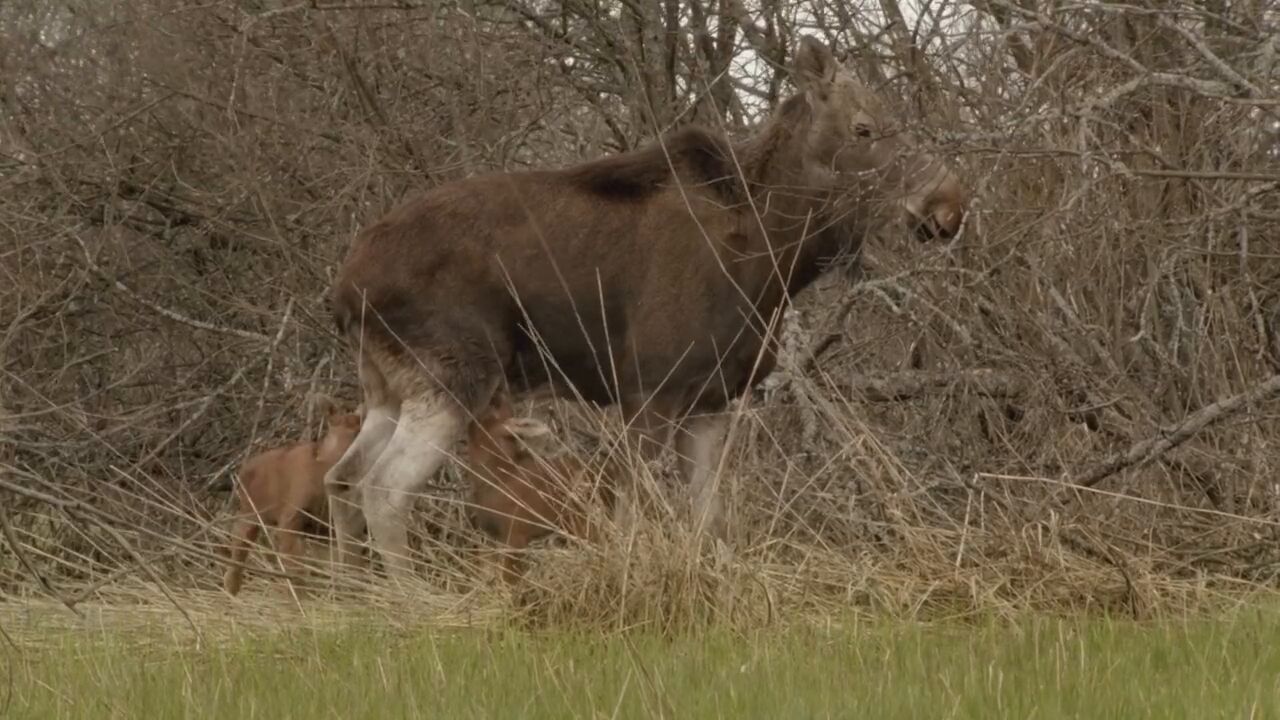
pixel 649 429
pixel 699 447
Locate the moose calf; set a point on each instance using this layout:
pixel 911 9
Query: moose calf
pixel 518 497
pixel 284 488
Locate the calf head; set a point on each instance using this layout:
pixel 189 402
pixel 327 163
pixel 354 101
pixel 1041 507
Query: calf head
pixel 499 432
pixel 342 431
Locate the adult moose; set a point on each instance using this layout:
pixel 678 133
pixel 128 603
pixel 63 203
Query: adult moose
pixel 653 279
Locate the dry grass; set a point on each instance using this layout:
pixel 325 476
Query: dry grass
pixel 259 661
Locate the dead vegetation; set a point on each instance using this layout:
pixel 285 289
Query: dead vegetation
pixel 1071 406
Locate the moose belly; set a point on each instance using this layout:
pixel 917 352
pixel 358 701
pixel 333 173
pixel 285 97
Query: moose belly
pixel 705 371
pixel 568 364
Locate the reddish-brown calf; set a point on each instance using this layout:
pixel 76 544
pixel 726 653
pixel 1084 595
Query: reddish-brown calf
pixel 518 497
pixel 284 488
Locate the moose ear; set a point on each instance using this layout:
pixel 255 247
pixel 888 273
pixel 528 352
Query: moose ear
pixel 527 428
pixel 814 67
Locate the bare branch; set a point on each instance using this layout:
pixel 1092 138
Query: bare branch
pixel 161 310
pixel 1170 438
pixel 21 554
pixel 901 386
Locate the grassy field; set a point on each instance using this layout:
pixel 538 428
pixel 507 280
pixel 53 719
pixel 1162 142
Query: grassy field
pixel 366 668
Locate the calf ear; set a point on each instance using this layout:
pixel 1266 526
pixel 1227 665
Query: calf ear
pixel 324 405
pixel 527 428
pixel 814 68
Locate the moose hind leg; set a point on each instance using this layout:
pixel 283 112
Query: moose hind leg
pixel 376 430
pixel 342 481
pixel 428 429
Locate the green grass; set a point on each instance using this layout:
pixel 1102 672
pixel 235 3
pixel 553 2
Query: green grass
pixel 1036 668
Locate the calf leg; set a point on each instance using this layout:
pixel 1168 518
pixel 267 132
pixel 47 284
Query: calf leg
pixel 514 564
pixel 245 534
pixel 515 544
pixel 699 444
pixel 428 429
pixel 501 562
pixel 288 546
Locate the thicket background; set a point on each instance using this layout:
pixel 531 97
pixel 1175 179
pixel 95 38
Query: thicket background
pixel 179 180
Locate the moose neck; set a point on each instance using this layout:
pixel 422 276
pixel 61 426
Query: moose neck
pixel 795 204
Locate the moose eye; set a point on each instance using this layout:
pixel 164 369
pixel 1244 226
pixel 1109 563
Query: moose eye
pixel 862 130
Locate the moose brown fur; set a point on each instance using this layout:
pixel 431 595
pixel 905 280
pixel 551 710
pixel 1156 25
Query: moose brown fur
pixel 517 496
pixel 283 488
pixel 655 279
